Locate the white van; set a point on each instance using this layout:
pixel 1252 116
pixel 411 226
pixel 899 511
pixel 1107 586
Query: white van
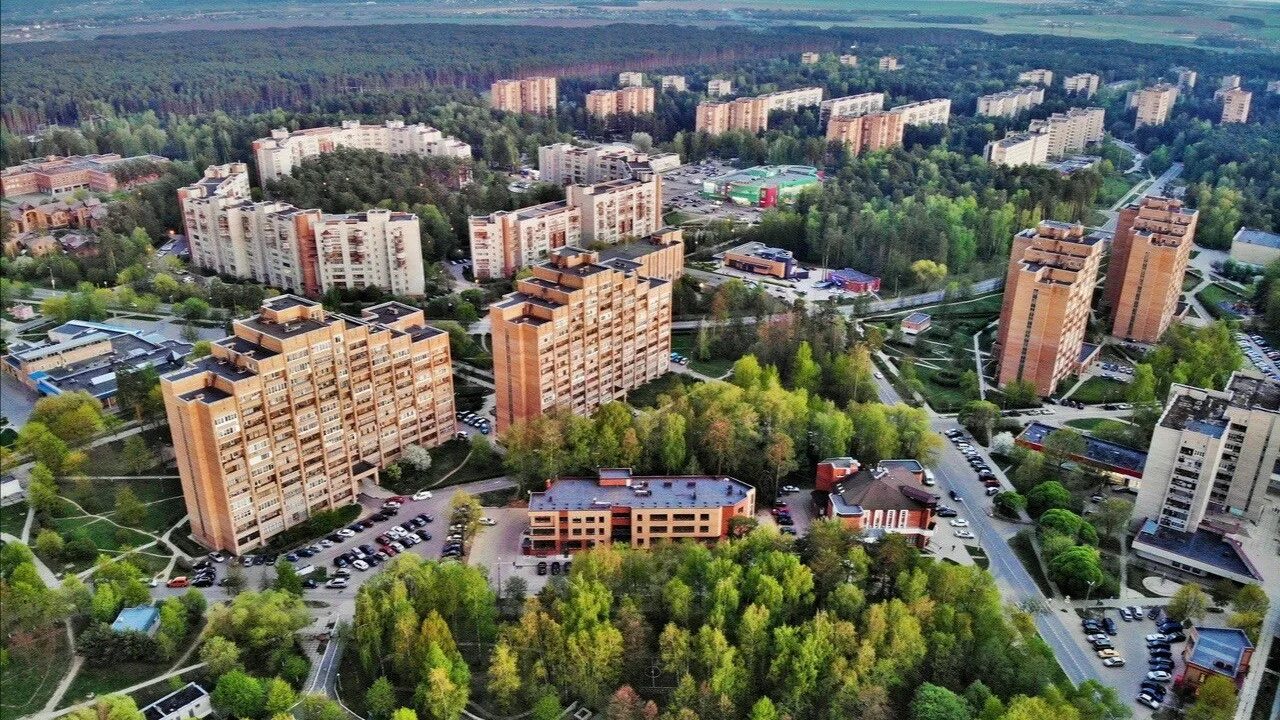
pixel 928 478
pixel 306 570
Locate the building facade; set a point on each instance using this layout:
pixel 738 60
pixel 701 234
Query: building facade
pixel 1154 104
pixel 1038 76
pixel 1226 652
pixel 630 79
pixel 866 133
pixel 1255 247
pixel 890 498
pixel 536 95
pixel 1071 131
pixel 1048 290
pixel 618 209
pixel 1010 102
pixel 279 154
pixel 1022 148
pixel 925 112
pixel 375 248
pixel 1081 84
pixel 849 60
pixel 566 164
pixel 1235 105
pixel 505 241
pixel 1186 77
pixel 719 87
pixel 851 105
pixel 26 217
pixel 577 334
pixel 810 58
pixel 54 175
pixel 643 511
pixel 889 62
pixel 674 83
pixel 291 412
pixel 627 100
pixel 763 185
pixel 792 99
pixel 1149 255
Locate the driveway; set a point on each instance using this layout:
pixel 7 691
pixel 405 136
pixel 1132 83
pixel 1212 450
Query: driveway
pixel 16 401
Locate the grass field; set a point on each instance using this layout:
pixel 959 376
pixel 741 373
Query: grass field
pixel 444 459
pixel 646 396
pixel 36 664
pixel 1213 295
pixel 684 344
pixel 942 398
pixel 1088 424
pixel 12 518
pixel 1097 390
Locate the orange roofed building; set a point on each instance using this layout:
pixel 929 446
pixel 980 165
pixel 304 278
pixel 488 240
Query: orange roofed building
pixel 888 498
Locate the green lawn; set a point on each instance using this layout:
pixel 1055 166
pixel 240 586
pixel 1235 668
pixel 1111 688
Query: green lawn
pixel 646 396
pixel 36 664
pixel 1088 424
pixel 96 681
pixel 13 518
pixel 684 343
pixel 103 534
pixel 1113 188
pixel 444 459
pixel 109 459
pixel 1213 295
pixel 942 398
pixel 1098 390
pixel 1022 547
pixel 1191 280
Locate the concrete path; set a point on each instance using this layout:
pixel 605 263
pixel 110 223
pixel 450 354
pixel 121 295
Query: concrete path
pixel 125 691
pixel 26 526
pixel 77 661
pixel 50 579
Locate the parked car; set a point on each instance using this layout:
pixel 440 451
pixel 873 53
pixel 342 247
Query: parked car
pixel 542 567
pixel 1113 662
pixel 1159 676
pixel 360 565
pixel 1108 653
pixel 964 534
pixel 336 583
pixel 555 567
pixel 422 495
pixel 178 582
pixel 488 521
pixel 958 522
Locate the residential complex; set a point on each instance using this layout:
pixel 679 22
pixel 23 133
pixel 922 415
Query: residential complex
pixel 674 83
pixel 566 164
pixel 630 79
pixel 578 333
pixel 1149 255
pixel 1154 104
pixel 296 408
pixel 1186 77
pixel 748 114
pixel 627 100
pixel 1018 148
pixel 810 58
pixel 1082 84
pixel 1255 247
pixel 849 60
pixel 54 175
pixel 279 154
pixel 851 105
pixel 890 498
pixel 925 112
pixel 1010 102
pixel 642 510
pixel 1071 131
pixel 719 87
pixel 889 62
pixel 1235 105
pixel 608 212
pixel 535 95
pixel 1039 76
pixel 792 99
pixel 763 185
pixel 866 133
pixel 27 217
pixel 277 244
pixel 1052 273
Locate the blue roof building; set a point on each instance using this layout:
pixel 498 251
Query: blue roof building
pixel 143 618
pixel 1216 651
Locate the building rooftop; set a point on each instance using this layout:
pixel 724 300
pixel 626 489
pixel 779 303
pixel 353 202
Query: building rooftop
pixel 1207 415
pixel 547 208
pixel 1203 546
pixel 648 492
pixel 1109 455
pixel 173 702
pixel 768 175
pixel 916 318
pixel 1249 236
pixel 130 350
pixel 1221 650
pixel 136 619
pixel 854 275
pixel 892 484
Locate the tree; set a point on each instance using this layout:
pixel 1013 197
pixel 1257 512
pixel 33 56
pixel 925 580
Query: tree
pixel 1189 602
pixel 279 697
pixel 980 417
pixel 1021 393
pixel 504 677
pixel 239 695
pixel 288 580
pixel 191 309
pixel 416 457
pixel 138 456
pixel 929 273
pixel 129 509
pixel 1077 570
pixel 1047 496
pixel 1112 516
pixel 932 702
pixel 235 579
pixel 547 707
pixel 380 699
pixel 49 544
pixel 466 509
pixel 764 710
pixel 1249 607
pixel 1062 444
pixel 404 714
pixel 111 707
pixel 1009 502
pixel 805 373
pixel 1215 701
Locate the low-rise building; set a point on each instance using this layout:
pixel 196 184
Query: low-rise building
pixel 1235 105
pixel 890 498
pixel 535 95
pixel 641 510
pixel 763 185
pixel 1121 464
pixel 1081 84
pixel 936 111
pixel 1019 148
pixel 143 619
pixel 34 244
pixel 1215 651
pixel 757 258
pixel 630 79
pixel 915 325
pixel 719 87
pixel 626 100
pixel 186 703
pixel 60 175
pixel 1255 247
pixel 280 153
pixel 1039 76
pixel 889 62
pixel 87 214
pixel 810 58
pixel 849 60
pixel 851 105
pixel 1009 103
pixel 674 83
pixel 854 281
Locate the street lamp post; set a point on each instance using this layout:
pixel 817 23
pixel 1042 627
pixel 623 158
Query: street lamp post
pixel 1090 591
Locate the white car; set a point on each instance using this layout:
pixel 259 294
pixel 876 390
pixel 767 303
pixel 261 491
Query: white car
pixel 422 495
pixel 1158 637
pixel 959 522
pixel 1159 676
pixel 964 534
pixel 790 489
pixel 879 375
pixel 399 546
pixel 326 543
pixel 336 583
pixel 360 565
pixel 346 533
pixel 488 521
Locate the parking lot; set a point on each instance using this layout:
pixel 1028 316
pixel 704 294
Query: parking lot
pixel 1260 353
pixel 682 187
pixel 1130 644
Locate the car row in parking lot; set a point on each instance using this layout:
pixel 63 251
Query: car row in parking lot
pixel 474 420
pixel 1153 687
pixel 1256 355
pixel 980 466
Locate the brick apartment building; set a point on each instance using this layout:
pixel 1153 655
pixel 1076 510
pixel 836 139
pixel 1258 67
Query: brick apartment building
pixel 1009 103
pixel 1149 256
pixel 1039 76
pixel 810 58
pixel 535 95
pixel 719 87
pixel 579 333
pixel 630 79
pixel 54 175
pixel 889 62
pixel 890 498
pixel 748 114
pixel 1071 131
pixel 866 133
pixel 1048 290
pixel 290 413
pixel 673 83
pixel 627 100
pixel 849 60
pixel 1235 105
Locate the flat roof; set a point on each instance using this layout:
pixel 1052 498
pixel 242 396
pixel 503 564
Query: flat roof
pixel 1203 546
pixel 768 174
pixel 173 702
pixel 673 492
pixel 1100 452
pixel 1251 236
pixel 852 274
pixel 136 619
pixel 1221 650
pixel 917 317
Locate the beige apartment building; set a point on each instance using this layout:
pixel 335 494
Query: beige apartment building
pixel 719 87
pixel 1154 104
pixel 1048 290
pixel 925 112
pixel 748 114
pixel 627 100
pixel 279 154
pixel 1021 148
pixel 889 62
pixel 792 99
pixel 1009 103
pixel 646 510
pixel 296 408
pixel 1235 105
pixel 866 133
pixel 810 58
pixel 536 95
pixel 851 105
pixel 674 83
pixel 630 79
pixel 618 209
pixel 297 250
pixel 1071 131
pixel 1083 84
pixel 1149 255
pixel 577 334
pixel 849 60
pixel 1186 77
pixel 566 164
pixel 1229 82
pixel 1038 76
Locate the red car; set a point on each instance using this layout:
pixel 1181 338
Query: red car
pixel 400 499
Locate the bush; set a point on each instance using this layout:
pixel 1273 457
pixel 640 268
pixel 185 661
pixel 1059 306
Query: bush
pixel 948 378
pixel 100 645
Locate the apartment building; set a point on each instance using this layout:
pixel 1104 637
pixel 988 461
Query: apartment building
pixel 712 117
pixel 889 62
pixel 851 105
pixel 810 58
pixel 792 99
pixel 1053 269
pixel 1039 76
pixel 1020 148
pixel 535 95
pixel 566 164
pixel 719 87
pixel 674 83
pixel 296 408
pixel 505 241
pixel 1235 105
pixel 1229 82
pixel 629 100
pixel 300 250
pixel 279 154
pixel 1071 131
pixel 866 133
pixel 641 510
pixel 748 114
pixel 54 175
pixel 1154 104
pixel 1149 255
pixel 577 334
pixel 1081 84
pixel 1186 77
pixel 925 112
pixel 1009 103
pixel 618 209
pixel 849 60
pixel 630 79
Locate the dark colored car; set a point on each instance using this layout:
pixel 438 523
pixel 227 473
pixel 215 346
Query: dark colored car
pixel 946 512
pixel 310 584
pixel 202 582
pixel 555 568
pixel 542 567
pixel 1110 625
pixel 955 496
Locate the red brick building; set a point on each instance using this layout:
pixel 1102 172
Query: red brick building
pixel 888 498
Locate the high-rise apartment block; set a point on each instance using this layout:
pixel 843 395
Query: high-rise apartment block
pixel 535 95
pixel 1235 105
pixel 579 333
pixel 1038 76
pixel 1020 148
pixel 290 413
pixel 1186 78
pixel 719 87
pixel 889 62
pixel 674 83
pixel 1149 256
pixel 628 100
pixel 851 105
pixel 1010 102
pixel 1083 84
pixel 810 58
pixel 618 209
pixel 565 164
pixel 1052 273
pixel 1071 131
pixel 1154 104
pixel 925 112
pixel 849 60
pixel 866 133
pixel 298 250
pixel 748 114
pixel 630 79
pixel 279 154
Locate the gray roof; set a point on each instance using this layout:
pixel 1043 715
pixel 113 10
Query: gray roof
pixel 649 492
pixel 1257 237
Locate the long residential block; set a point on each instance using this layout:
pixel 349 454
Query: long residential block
pixel 1081 84
pixel 851 105
pixel 1149 256
pixel 936 111
pixel 1071 131
pixel 279 154
pixel 866 133
pixel 296 408
pixel 566 164
pixel 1021 148
pixel 1010 102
